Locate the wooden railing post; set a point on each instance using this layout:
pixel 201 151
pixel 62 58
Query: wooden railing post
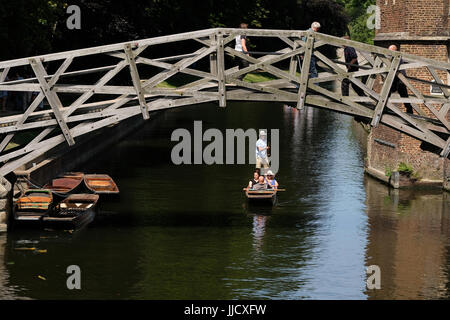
pixel 213 56
pixel 221 70
pixel 305 72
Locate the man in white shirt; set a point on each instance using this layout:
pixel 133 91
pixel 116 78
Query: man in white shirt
pixel 261 151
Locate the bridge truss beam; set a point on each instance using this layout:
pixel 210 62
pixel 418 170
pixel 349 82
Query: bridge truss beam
pixel 127 79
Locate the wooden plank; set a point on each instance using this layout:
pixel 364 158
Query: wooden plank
pixel 52 99
pixel 337 107
pixel 169 66
pixel 338 97
pixel 177 67
pixel 221 71
pixel 446 150
pixel 136 81
pixel 266 89
pixel 4 74
pixel 396 124
pixel 109 48
pixel 385 91
pixel 428 136
pixel 213 56
pixel 293 65
pixel 305 72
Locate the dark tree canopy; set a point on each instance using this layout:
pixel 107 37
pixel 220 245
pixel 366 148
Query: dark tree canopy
pixel 31 27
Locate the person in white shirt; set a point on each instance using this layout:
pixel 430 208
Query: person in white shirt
pixel 241 46
pixel 261 151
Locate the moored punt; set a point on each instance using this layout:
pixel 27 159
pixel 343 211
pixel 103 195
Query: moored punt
pixel 261 196
pixel 74 212
pixel 101 184
pixel 66 184
pixel 32 206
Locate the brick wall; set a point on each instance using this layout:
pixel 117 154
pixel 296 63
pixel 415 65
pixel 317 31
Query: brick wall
pixel 392 15
pixel 418 17
pixel 412 18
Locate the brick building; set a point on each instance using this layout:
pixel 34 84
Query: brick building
pixel 421 28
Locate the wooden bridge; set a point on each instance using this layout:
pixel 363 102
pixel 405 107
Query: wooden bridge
pixel 91 88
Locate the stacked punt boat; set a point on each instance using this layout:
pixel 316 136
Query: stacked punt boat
pixel 69 201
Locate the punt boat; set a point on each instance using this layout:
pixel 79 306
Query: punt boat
pixel 261 196
pixel 32 206
pixel 74 212
pixel 66 184
pixel 101 184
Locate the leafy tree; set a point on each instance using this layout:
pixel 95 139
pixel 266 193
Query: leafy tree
pixel 357 12
pixel 31 27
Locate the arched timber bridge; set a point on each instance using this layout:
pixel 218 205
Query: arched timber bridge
pixel 96 87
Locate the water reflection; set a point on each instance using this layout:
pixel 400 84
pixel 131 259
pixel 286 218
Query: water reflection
pixel 409 232
pixel 186 232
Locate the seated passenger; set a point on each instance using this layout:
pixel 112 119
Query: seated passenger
pixel 254 180
pixel 261 185
pixel 270 179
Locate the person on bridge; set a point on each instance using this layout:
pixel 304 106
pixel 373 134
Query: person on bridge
pixel 270 179
pixel 315 26
pixel 351 60
pixel 261 151
pixel 399 86
pixel 241 46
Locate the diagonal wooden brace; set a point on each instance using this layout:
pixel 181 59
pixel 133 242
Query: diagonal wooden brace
pixel 136 80
pixel 446 151
pixel 305 72
pixel 52 99
pixel 385 91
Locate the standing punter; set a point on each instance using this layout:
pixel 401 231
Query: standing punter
pixel 261 151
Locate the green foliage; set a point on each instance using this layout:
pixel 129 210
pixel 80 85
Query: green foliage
pixel 32 27
pixel 405 168
pixel 388 172
pixel 357 11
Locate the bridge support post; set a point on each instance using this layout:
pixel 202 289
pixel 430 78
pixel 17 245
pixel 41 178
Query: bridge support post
pixel 213 56
pixel 386 90
pixel 221 71
pixel 293 63
pixel 5 203
pixel 136 80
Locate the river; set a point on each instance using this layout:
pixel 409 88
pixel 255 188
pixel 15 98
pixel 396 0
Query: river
pixel 186 232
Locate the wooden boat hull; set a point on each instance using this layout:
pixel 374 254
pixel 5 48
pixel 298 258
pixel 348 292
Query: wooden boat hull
pixel 74 212
pixel 101 184
pixel 77 222
pixel 66 184
pixel 32 206
pixel 264 197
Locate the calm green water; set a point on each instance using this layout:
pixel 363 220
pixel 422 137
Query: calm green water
pixel 186 232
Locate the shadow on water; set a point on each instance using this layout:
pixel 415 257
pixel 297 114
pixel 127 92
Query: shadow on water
pixel 186 232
